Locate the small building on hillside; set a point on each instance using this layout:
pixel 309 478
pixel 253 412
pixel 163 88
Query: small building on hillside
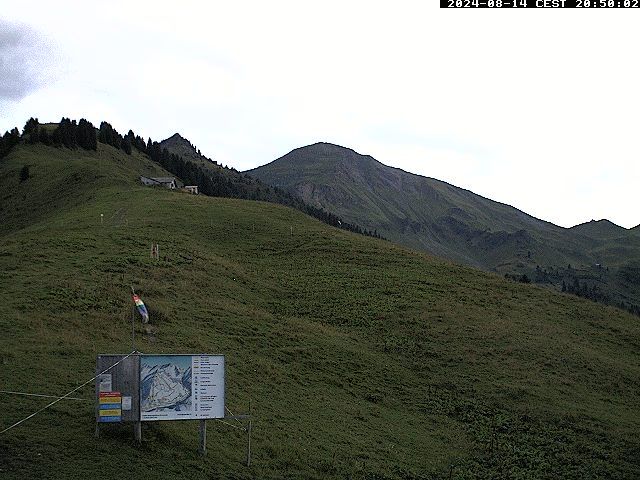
pixel 166 182
pixel 192 189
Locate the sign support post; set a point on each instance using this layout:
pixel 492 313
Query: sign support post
pixel 203 437
pixel 137 431
pixel 133 323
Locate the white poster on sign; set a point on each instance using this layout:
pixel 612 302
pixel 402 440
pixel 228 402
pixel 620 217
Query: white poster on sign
pixel 105 382
pixel 126 403
pixel 181 387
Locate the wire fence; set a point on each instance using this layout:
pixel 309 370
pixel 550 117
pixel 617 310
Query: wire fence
pixel 64 397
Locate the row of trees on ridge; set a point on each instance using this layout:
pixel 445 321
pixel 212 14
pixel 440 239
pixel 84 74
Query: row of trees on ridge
pixel 217 181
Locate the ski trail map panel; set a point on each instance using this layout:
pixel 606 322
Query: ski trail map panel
pixel 181 387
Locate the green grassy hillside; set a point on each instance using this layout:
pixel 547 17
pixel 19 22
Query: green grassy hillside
pixel 434 216
pixel 361 359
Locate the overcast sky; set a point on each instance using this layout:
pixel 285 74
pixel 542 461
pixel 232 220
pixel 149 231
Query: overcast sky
pixel 537 108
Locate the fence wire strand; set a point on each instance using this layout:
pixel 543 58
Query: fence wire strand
pixel 25 394
pixel 66 395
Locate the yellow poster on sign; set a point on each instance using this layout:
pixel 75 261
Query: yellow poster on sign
pixel 110 413
pixel 110 400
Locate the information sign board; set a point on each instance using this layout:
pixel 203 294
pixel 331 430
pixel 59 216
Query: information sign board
pixel 181 387
pixel 117 373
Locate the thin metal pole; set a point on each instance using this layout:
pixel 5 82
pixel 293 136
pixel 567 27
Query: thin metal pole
pixel 133 325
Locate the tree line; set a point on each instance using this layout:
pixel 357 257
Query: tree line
pixel 8 141
pixel 517 278
pixel 68 133
pixel 582 289
pixel 595 294
pixel 575 287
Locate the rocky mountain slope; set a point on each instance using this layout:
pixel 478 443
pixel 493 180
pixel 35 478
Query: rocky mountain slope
pixel 434 216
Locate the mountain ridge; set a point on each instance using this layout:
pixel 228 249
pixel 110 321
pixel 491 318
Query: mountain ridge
pixel 428 214
pixel 601 228
pixel 338 148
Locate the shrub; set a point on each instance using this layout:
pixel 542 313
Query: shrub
pixel 24 173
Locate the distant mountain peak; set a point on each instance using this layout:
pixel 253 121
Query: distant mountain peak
pixel 179 145
pixel 328 145
pixel 600 228
pixel 326 148
pixel 176 138
pixel 324 153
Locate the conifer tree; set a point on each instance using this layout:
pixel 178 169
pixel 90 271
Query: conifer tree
pixel 105 133
pixel 86 135
pixel 66 133
pixel 9 140
pixel 30 130
pixel 43 137
pixel 14 136
pixel 126 145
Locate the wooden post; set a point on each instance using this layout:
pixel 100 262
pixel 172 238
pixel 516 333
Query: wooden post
pixel 203 438
pixel 97 430
pixel 249 444
pixel 249 437
pixel 137 431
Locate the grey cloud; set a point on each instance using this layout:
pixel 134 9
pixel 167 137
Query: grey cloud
pixel 25 60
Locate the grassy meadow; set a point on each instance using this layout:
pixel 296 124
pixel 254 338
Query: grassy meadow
pixel 359 358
